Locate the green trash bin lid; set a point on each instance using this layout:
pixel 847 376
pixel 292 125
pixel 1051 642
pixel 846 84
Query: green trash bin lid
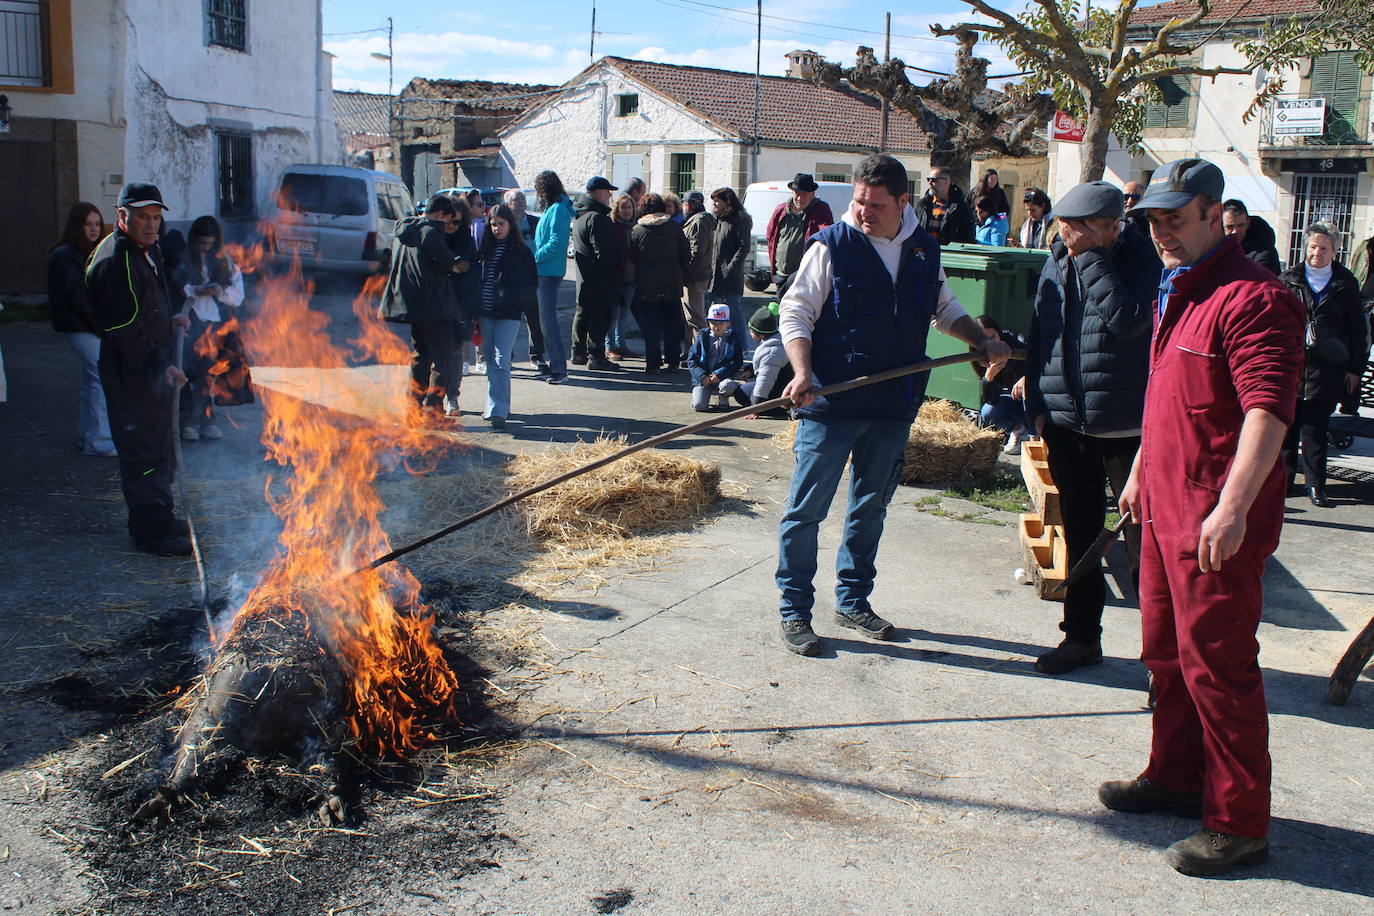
pixel 991 258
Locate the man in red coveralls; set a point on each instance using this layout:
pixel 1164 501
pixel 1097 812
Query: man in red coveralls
pixel 1208 488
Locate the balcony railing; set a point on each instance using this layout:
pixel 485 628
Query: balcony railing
pixel 1346 121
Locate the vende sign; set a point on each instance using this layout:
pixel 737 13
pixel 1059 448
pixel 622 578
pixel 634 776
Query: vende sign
pixel 1065 128
pixel 1299 117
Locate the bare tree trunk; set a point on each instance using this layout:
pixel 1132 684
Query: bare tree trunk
pixel 959 164
pixel 1096 133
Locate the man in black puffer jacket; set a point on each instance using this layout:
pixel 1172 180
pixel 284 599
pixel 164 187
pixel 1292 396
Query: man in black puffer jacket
pixel 1256 236
pixel 1086 367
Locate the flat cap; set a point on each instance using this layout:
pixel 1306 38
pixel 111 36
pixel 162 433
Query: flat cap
pixel 1178 182
pixel 1094 199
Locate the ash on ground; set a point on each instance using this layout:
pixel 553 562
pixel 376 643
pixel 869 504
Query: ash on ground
pixel 248 838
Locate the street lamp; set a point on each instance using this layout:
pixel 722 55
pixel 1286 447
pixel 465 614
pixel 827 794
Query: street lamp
pixel 389 57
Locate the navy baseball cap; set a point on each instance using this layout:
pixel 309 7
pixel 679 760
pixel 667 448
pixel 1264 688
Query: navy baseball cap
pixel 597 183
pixel 1178 182
pixel 141 194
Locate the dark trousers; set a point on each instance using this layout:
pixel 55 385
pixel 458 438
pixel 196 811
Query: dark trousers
pixel 432 363
pixel 1080 464
pixel 590 323
pixel 196 360
pixel 140 410
pixel 1309 430
pixel 1211 724
pixel 531 314
pixel 661 321
pixel 147 487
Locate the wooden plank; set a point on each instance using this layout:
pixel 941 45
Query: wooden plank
pixel 1045 555
pixel 1035 470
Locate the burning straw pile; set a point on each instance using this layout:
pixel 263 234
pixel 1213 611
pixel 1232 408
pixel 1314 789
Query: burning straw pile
pixel 641 494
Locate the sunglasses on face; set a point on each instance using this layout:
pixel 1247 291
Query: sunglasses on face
pixel 1132 197
pixel 937 178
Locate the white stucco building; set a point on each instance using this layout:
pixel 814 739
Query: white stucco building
pixel 1289 180
pixel 209 99
pixel 681 128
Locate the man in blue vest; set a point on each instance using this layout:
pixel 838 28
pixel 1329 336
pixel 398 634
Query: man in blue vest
pixel 863 300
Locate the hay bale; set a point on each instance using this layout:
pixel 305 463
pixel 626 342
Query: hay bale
pixel 645 492
pixel 946 445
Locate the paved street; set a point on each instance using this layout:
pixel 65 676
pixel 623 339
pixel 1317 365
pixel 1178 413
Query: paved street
pixel 672 757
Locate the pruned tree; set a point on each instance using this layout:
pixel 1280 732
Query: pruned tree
pixel 1080 55
pixel 959 114
pixel 1283 44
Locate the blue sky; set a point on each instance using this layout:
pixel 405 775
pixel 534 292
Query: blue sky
pixel 547 41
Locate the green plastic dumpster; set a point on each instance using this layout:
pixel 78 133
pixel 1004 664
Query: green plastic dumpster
pixel 987 280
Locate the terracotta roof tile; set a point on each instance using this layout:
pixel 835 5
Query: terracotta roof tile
pixel 483 95
pixel 790 110
pixel 1223 10
pixel 360 112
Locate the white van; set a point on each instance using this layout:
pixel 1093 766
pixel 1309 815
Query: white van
pixel 760 200
pixel 335 218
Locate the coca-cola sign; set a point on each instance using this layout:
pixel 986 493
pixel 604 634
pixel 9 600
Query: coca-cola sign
pixel 1065 128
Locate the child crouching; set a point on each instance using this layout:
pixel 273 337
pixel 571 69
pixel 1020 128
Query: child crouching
pixel 771 370
pixel 714 360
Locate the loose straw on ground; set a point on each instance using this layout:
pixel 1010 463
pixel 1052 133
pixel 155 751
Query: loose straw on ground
pixel 733 415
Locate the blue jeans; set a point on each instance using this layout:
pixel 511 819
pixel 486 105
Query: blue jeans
pixel 1005 413
pixel 93 424
pixel 498 339
pixel 822 447
pixel 620 315
pixel 555 350
pixel 739 322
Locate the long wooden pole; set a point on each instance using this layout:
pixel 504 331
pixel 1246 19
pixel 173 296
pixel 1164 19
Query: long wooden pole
pixel 876 378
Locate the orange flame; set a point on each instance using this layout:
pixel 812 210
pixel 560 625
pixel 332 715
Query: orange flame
pixel 372 622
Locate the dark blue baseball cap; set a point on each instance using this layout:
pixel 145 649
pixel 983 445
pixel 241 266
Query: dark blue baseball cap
pixel 597 183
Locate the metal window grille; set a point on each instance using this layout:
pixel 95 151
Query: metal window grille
pixel 1326 199
pixel 684 172
pixel 227 21
pixel 235 173
pixel 23 45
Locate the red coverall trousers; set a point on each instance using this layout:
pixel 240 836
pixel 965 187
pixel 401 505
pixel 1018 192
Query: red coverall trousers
pixel 1211 724
pixel 1230 341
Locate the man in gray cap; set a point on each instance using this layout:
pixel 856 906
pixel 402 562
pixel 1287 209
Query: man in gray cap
pixel 1086 366
pixel 700 228
pixel 130 294
pixel 1208 487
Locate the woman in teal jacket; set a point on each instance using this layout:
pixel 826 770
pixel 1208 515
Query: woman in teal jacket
pixel 551 263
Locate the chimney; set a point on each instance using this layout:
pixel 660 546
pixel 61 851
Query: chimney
pixel 801 65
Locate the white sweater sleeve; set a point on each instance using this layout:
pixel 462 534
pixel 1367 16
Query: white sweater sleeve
pixel 801 307
pixel 947 307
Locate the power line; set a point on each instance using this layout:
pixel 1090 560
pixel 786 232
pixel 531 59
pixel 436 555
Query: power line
pixel 359 32
pixel 824 25
pixel 748 19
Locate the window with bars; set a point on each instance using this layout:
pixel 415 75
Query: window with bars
pixel 23 50
pixel 1326 199
pixel 226 23
pixel 684 167
pixel 234 169
pixel 1178 105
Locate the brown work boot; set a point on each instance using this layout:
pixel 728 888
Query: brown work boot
pixel 1208 852
pixel 1140 796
